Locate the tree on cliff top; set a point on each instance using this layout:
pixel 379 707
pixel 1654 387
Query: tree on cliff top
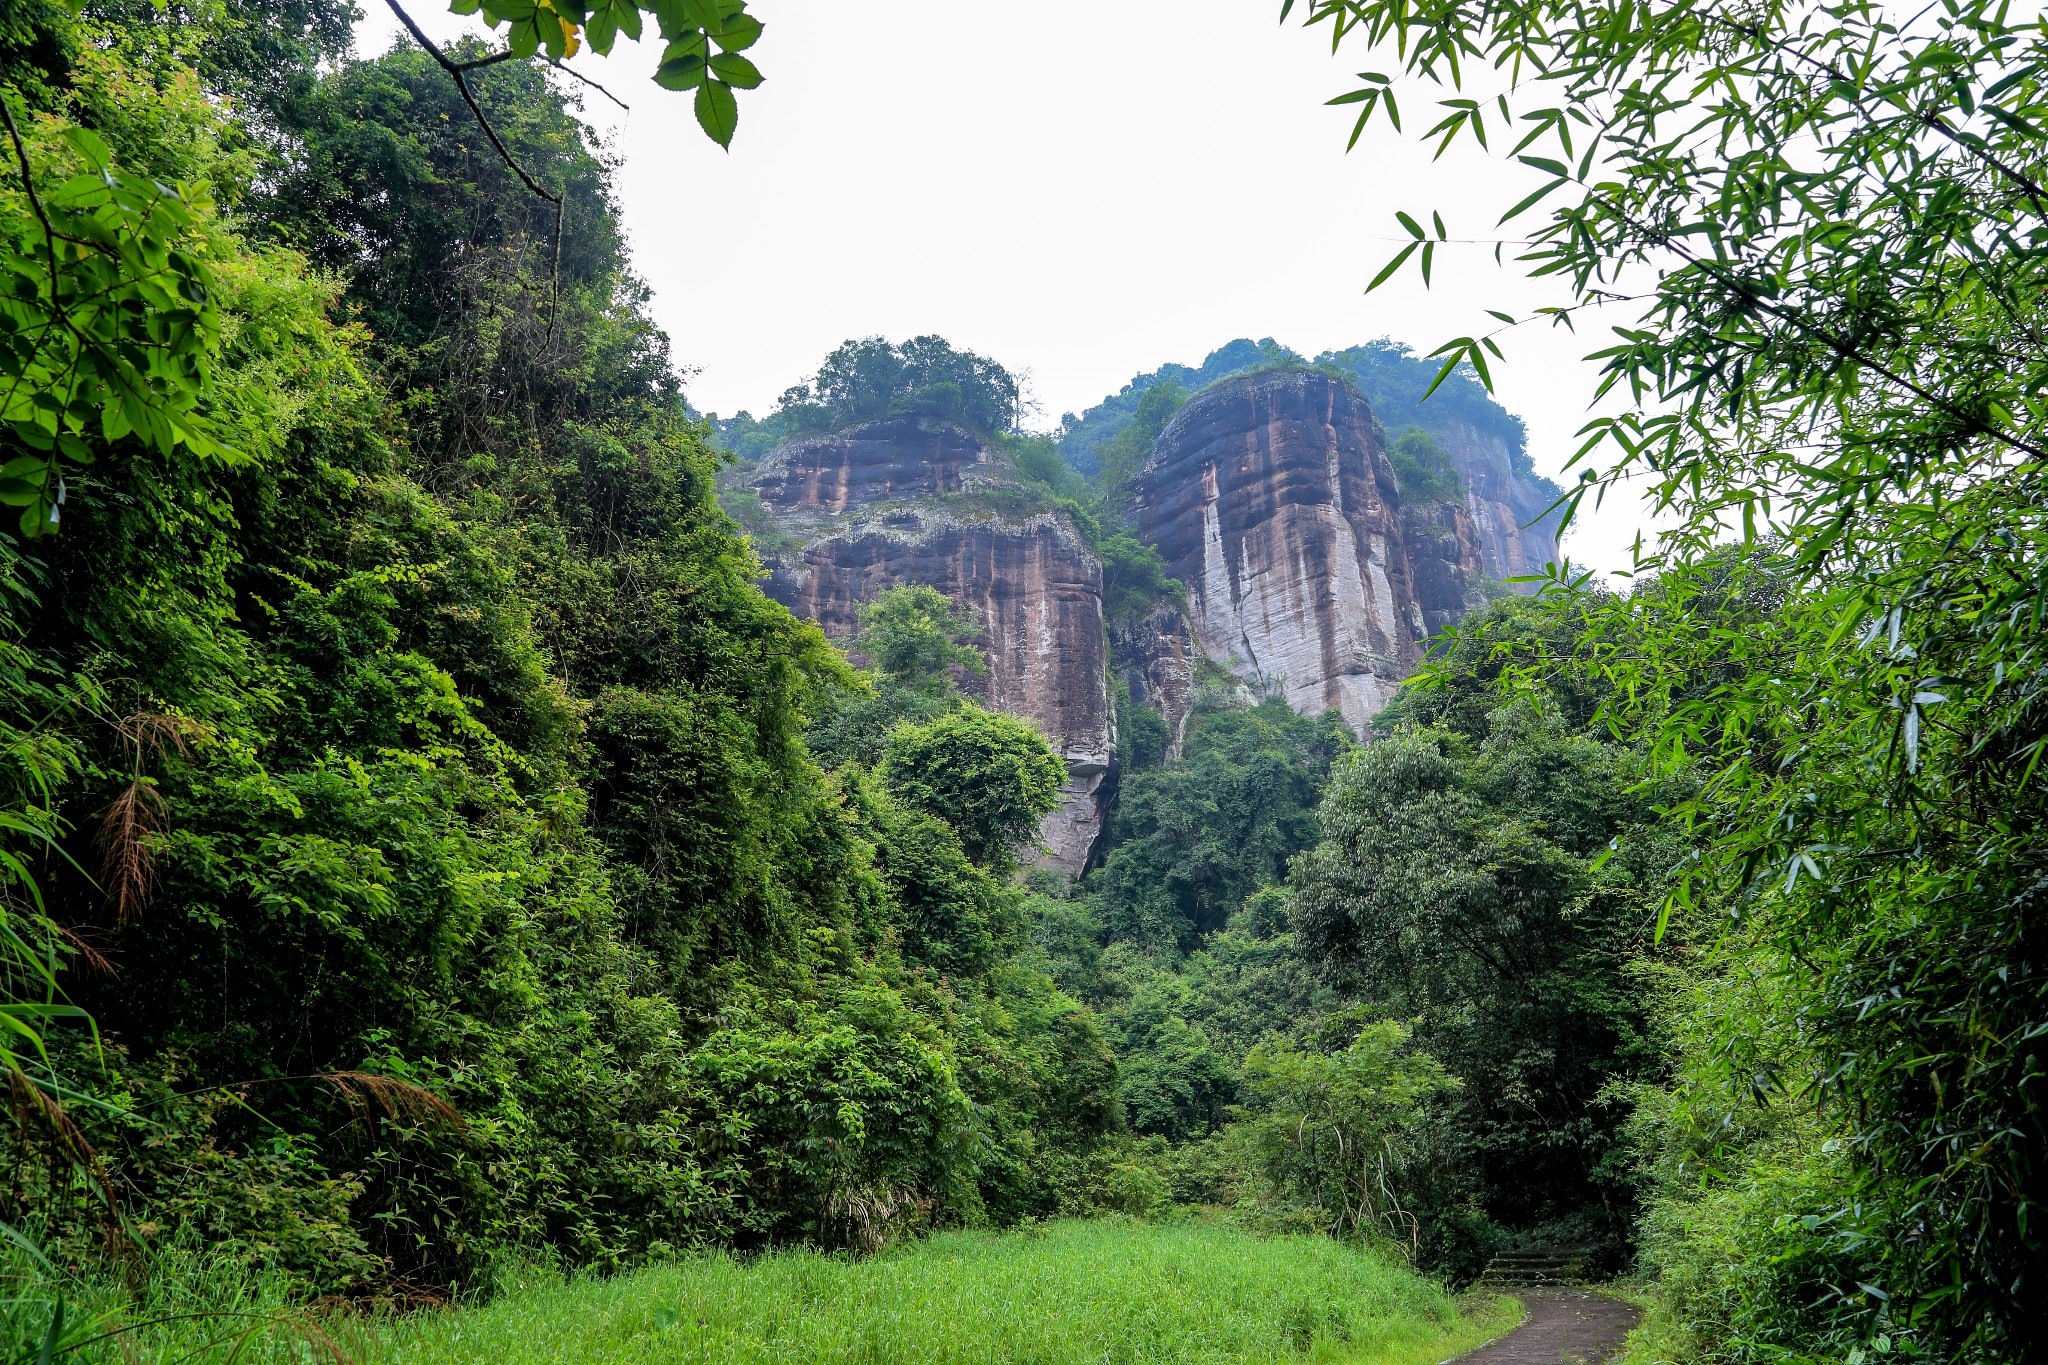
pixel 870 379
pixel 873 379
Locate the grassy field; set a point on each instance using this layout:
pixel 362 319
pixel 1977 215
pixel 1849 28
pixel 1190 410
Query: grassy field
pixel 1095 1292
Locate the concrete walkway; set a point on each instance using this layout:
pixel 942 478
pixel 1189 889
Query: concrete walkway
pixel 1563 1326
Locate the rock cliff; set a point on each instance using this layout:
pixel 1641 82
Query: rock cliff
pixel 1516 531
pixel 908 501
pixel 1271 498
pixel 1445 560
pixel 1155 656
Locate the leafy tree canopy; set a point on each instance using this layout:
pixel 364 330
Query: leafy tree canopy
pixel 1191 839
pixel 1424 471
pixel 990 776
pixel 1462 885
pixel 873 379
pixel 915 636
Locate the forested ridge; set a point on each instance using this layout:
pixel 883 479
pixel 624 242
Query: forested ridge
pixel 433 839
pixel 431 859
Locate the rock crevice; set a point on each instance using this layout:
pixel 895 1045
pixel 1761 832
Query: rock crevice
pixel 895 502
pixel 1272 499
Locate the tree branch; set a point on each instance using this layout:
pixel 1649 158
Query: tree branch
pixel 456 69
pixel 1927 119
pixel 35 202
pixel 578 75
pixel 491 60
pixel 1844 349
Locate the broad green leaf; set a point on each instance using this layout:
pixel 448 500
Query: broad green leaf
pixel 681 73
pixel 735 70
pixel 717 112
pixel 737 32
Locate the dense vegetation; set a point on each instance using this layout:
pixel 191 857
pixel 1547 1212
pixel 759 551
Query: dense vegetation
pixel 872 380
pixel 428 823
pixel 427 851
pixel 1840 412
pixel 1435 922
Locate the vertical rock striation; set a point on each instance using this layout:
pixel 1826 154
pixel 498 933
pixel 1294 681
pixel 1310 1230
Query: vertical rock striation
pixel 1445 560
pixel 1271 498
pixel 1516 531
pixel 905 501
pixel 1156 656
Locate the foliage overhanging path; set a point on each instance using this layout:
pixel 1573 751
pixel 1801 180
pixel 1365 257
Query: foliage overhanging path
pixel 1828 220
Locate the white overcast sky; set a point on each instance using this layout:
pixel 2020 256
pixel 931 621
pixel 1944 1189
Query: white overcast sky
pixel 1081 191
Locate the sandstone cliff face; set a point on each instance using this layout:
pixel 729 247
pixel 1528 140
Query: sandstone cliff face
pixel 808 484
pixel 1515 536
pixel 1445 559
pixel 1156 656
pixel 909 502
pixel 1271 499
pixel 1269 496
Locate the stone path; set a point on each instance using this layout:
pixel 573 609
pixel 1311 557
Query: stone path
pixel 1564 1325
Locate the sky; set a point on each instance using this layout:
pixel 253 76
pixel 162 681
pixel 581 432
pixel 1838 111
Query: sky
pixel 1081 191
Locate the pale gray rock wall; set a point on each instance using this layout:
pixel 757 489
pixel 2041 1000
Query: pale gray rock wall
pixel 1271 499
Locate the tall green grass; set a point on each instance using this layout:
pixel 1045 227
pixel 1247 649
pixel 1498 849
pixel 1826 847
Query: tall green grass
pixel 1101 1292
pixel 187 1304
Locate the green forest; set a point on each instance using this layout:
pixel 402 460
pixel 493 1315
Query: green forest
pixel 449 911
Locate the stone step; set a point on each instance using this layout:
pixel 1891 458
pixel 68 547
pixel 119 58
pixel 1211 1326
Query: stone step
pixel 1535 1258
pixel 1534 1269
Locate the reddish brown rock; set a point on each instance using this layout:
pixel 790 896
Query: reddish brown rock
pixel 1271 499
pixel 1444 560
pixel 911 502
pixel 1156 656
pixel 811 481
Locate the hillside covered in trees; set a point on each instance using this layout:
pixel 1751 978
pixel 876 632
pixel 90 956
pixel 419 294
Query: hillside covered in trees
pixel 430 830
pixel 470 816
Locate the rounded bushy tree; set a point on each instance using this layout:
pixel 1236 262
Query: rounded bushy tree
pixel 990 776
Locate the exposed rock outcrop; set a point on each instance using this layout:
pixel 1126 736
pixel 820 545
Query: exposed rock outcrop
pixel 905 501
pixel 809 484
pixel 1269 496
pixel 1516 531
pixel 1156 657
pixel 1271 499
pixel 1444 560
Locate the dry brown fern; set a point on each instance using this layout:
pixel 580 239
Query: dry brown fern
pixel 127 866
pixel 127 869
pixel 401 1101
